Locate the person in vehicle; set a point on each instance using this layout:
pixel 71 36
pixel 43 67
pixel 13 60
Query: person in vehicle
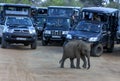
pixel 75 17
pixel 96 17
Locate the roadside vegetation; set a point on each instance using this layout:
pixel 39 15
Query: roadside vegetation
pixel 80 3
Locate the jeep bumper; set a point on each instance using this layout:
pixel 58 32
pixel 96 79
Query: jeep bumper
pixel 54 37
pixel 19 38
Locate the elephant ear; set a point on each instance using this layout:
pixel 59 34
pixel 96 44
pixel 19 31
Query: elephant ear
pixel 88 46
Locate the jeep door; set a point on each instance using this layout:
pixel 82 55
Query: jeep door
pixel 104 34
pixel 1 28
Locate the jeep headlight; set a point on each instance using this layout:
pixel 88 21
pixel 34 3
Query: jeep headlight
pixel 8 30
pixel 93 39
pixel 47 32
pixel 65 32
pixel 32 30
pixel 69 36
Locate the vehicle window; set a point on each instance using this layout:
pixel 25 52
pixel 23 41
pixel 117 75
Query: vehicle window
pixel 94 16
pixel 42 11
pixel 18 21
pixel 40 21
pixel 60 12
pixel 90 27
pixel 58 22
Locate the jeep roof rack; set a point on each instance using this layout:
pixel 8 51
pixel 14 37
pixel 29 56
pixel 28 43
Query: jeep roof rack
pixel 61 7
pixel 10 9
pixel 11 4
pixel 99 10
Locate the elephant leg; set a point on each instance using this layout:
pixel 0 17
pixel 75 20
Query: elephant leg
pixel 78 63
pixel 62 63
pixel 84 61
pixel 72 63
pixel 88 57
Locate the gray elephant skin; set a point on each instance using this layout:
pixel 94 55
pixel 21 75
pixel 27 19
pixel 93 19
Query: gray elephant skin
pixel 76 49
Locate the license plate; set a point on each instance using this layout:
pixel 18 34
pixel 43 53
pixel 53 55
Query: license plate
pixel 56 36
pixel 21 38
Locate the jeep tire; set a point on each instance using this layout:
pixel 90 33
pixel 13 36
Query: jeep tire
pixel 110 49
pixel 97 50
pixel 34 45
pixel 44 43
pixel 3 43
pixel 26 44
pixel 0 40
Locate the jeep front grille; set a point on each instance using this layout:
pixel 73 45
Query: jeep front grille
pixel 21 31
pixel 56 32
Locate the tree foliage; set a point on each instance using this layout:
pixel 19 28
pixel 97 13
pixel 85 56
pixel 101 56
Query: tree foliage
pixel 80 3
pixel 62 3
pixel 92 2
pixel 114 5
pixel 16 1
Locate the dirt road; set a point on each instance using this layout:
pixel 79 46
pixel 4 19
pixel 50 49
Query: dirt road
pixel 19 63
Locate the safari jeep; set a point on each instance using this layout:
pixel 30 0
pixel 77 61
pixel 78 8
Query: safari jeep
pixel 56 29
pixel 100 32
pixel 73 13
pixel 16 26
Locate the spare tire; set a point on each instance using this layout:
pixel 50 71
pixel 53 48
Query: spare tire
pixel 3 43
pixel 34 45
pixel 97 50
pixel 111 47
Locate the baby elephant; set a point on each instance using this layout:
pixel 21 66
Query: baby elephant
pixel 76 49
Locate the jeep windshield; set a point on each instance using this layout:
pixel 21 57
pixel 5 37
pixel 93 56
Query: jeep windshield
pixel 18 21
pixel 56 22
pixel 88 27
pixel 40 21
pixel 60 12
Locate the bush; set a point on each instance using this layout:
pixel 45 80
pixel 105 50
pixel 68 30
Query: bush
pixel 114 5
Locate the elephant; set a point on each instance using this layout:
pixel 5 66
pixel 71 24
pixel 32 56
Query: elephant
pixel 76 49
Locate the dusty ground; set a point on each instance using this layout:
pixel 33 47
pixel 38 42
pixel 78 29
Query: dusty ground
pixel 19 63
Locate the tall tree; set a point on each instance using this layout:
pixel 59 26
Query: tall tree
pixel 15 1
pixel 91 2
pixel 62 3
pixel 111 1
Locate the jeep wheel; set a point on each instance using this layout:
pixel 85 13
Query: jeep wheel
pixel 97 50
pixel 44 43
pixel 34 45
pixel 0 40
pixel 26 44
pixel 62 43
pixel 65 43
pixel 3 43
pixel 110 49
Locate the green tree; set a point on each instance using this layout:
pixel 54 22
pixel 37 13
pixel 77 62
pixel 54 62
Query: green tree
pixel 114 5
pixel 15 1
pixel 62 3
pixel 91 2
pixel 54 2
